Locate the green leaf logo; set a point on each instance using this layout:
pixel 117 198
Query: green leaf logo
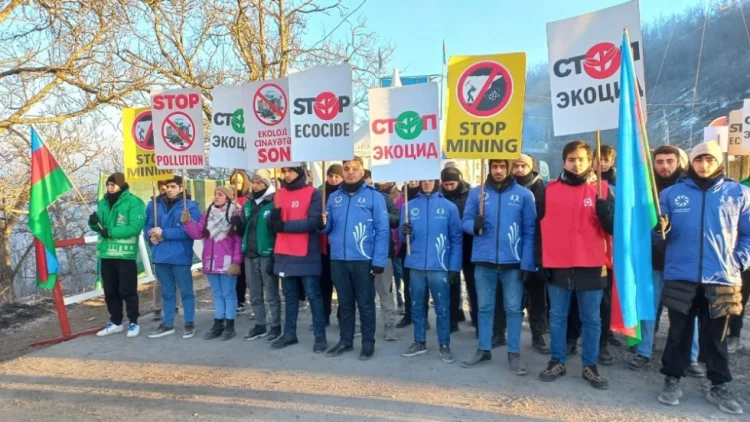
pixel 238 121
pixel 408 125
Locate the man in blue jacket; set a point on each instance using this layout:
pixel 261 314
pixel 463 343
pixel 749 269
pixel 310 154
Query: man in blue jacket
pixel 503 247
pixel 711 212
pixel 356 222
pixel 434 230
pixel 172 253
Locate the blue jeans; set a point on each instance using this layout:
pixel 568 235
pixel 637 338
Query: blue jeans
pixel 486 279
pixel 224 289
pixel 398 275
pixel 646 347
pixel 440 288
pixel 172 276
pixel 588 311
pixel 355 285
pixel 291 289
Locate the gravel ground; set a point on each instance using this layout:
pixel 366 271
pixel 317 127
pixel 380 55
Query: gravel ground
pixel 175 379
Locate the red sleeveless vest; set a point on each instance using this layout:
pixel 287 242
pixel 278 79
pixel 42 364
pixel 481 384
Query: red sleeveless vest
pixel 571 233
pixel 294 206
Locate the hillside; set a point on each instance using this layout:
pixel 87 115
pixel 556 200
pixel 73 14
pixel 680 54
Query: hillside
pixel 672 48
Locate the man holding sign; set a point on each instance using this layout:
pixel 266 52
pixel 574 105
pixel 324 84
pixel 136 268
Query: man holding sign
pixel 356 222
pixel 503 247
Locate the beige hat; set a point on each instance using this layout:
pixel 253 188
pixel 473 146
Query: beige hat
pixel 711 148
pixel 263 176
pixel 228 191
pixel 683 158
pixel 527 160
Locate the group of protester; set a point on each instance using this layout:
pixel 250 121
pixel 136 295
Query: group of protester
pixel 524 243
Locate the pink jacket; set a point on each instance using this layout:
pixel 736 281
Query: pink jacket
pixel 217 256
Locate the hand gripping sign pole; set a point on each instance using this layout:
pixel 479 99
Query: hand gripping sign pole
pixel 481 191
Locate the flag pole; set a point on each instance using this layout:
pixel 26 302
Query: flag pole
pixel 644 136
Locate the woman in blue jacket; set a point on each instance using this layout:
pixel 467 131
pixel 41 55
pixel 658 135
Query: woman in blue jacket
pixel 434 232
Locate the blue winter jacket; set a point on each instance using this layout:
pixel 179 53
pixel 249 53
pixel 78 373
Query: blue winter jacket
pixel 436 239
pixel 177 246
pixel 509 224
pixel 709 241
pixel 357 226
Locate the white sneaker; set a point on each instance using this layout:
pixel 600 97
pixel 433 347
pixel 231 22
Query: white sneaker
pixel 110 328
pixel 133 330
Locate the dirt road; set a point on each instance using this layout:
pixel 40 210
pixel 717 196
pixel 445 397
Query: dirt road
pixel 173 379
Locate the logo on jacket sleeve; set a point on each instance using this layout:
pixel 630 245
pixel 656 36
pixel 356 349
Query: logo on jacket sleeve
pixel 360 234
pixel 514 238
pixel 441 245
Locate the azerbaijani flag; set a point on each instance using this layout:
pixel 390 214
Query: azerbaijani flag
pixel 635 210
pixel 48 184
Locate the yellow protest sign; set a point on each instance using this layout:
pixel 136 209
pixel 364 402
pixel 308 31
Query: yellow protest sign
pixel 138 146
pixel 485 106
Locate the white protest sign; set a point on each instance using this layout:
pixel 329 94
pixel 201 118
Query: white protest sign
pixel 746 126
pixel 321 119
pixel 735 134
pixel 719 134
pixel 178 129
pixel 228 128
pixel 404 133
pixel 584 59
pixel 270 143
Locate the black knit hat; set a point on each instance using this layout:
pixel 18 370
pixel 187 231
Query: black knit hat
pixel 335 169
pixel 118 179
pixel 451 174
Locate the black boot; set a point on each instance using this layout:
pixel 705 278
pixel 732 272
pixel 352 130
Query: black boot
pixel 216 330
pixel 228 330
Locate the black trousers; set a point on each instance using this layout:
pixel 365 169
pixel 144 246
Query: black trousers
pixel 456 312
pixel 120 280
pixel 326 286
pixel 471 289
pixel 605 311
pixel 241 285
pixel 735 322
pixel 536 305
pixel 676 357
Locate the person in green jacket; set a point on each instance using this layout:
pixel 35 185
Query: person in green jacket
pixel 119 220
pixel 257 245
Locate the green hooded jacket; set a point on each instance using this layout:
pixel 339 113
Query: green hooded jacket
pixel 255 219
pixel 124 222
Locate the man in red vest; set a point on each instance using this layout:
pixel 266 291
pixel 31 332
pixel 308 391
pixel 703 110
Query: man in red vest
pixel 573 253
pixel 297 253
